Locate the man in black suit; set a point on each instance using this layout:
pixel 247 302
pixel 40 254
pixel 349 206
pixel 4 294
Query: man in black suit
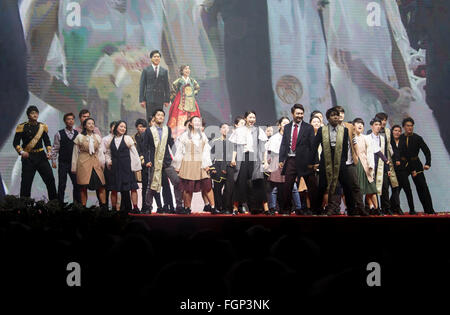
pixel 159 167
pixel 296 159
pixel 154 91
pixel 334 167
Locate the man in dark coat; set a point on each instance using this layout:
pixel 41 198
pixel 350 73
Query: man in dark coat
pixel 296 159
pixel 154 89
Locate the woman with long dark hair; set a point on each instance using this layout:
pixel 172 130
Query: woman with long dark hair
pixel 123 160
pixel 88 161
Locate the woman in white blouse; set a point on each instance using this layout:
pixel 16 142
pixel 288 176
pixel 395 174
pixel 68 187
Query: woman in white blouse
pixel 248 157
pixel 192 162
pixel 122 159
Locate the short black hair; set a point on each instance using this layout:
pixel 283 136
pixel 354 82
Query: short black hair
pixel 83 111
pixel 281 120
pixel 314 113
pixel 396 126
pixel 112 124
pixel 68 115
pixel 314 116
pixel 84 132
pixel 408 119
pixel 358 120
pixel 248 113
pixel 155 52
pixel 187 121
pixel 32 108
pixel 117 125
pixel 297 106
pixel 140 121
pixel 331 111
pixel 340 109
pixel 382 116
pixel 238 119
pixel 182 68
pixel 374 120
pixel 156 111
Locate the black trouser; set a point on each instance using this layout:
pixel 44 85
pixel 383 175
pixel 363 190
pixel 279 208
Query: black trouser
pixel 289 180
pixel 166 191
pixel 352 192
pixel 247 190
pixel 384 198
pixel 218 195
pixel 227 203
pixel 423 192
pixel 403 183
pixel 37 162
pixel 64 168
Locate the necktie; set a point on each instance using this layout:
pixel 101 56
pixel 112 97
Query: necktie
pixel 156 71
pixel 294 138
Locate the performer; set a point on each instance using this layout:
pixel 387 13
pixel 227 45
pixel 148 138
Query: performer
pixel 392 180
pixel 88 161
pixel 382 172
pixel 239 121
pixel 402 174
pixel 141 126
pixel 154 85
pixel 83 115
pixel 123 160
pixel 221 171
pixel 276 180
pixel 192 162
pixel 296 159
pixel 184 105
pixel 62 151
pixel 350 167
pixel 409 145
pixel 156 147
pixel 334 167
pixel 248 158
pixel 32 134
pixel 366 164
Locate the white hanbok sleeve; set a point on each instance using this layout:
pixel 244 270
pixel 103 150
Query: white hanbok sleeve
pixel 206 155
pixel 180 151
pixel 100 153
pixel 75 154
pixel 369 151
pixel 134 155
pixel 106 149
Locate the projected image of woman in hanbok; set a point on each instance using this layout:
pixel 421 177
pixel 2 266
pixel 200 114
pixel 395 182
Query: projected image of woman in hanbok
pixel 184 104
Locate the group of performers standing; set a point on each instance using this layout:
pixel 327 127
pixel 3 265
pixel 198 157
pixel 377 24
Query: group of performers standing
pixel 311 165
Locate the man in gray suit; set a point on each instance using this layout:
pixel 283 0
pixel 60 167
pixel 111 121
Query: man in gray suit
pixel 154 89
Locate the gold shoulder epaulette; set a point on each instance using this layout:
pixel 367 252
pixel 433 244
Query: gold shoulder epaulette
pixel 45 127
pixel 19 127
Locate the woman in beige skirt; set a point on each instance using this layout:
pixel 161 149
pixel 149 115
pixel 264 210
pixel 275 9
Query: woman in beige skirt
pixel 88 162
pixel 192 162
